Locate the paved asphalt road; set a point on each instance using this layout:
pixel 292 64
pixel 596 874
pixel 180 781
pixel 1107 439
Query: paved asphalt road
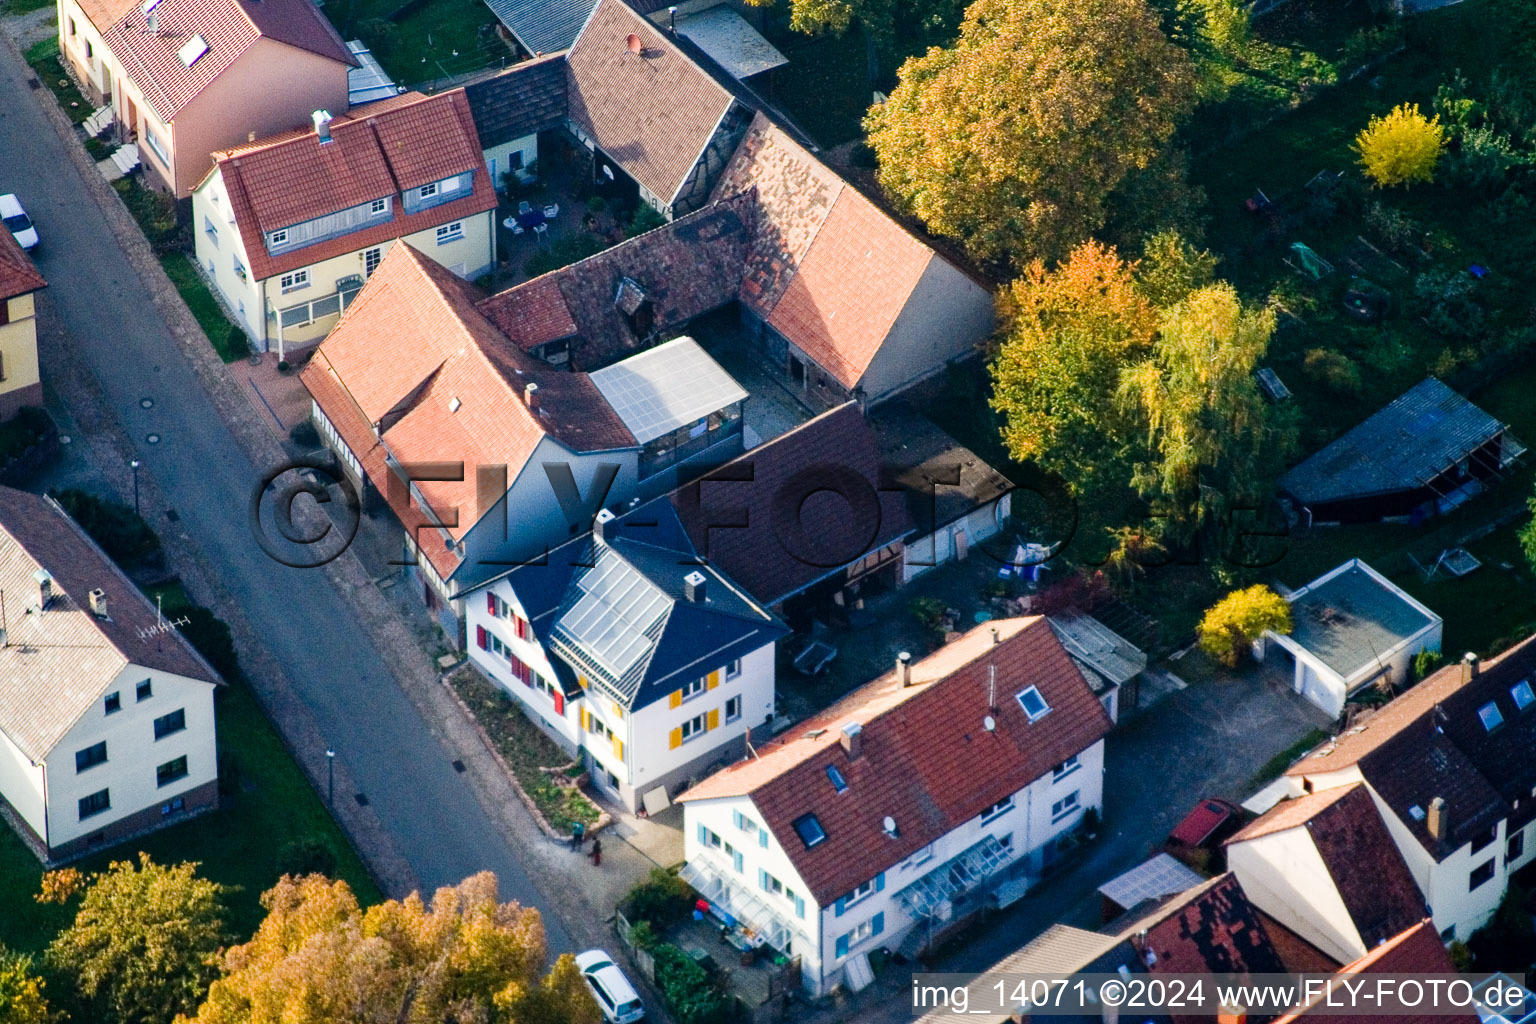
pixel 434 818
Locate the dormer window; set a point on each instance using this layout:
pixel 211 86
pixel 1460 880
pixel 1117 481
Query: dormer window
pixel 427 191
pixel 378 208
pixel 1033 704
pixel 279 237
pixel 1490 715
pixel 1521 694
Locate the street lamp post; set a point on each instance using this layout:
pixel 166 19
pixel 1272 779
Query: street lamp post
pixel 135 465
pixel 330 777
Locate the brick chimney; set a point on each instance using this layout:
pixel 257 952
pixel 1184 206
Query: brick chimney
pixel 531 396
pixel 44 580
pixel 99 603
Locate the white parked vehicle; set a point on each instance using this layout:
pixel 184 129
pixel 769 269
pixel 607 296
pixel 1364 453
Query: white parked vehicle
pixel 17 222
pixel 618 999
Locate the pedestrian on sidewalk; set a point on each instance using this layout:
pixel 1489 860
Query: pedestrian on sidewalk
pixel 597 852
pixel 578 830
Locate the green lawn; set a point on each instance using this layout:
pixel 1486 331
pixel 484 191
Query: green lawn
pixel 14 7
pixel 44 59
pixel 441 39
pixel 228 340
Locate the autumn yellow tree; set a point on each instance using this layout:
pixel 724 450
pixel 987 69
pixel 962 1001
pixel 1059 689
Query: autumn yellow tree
pixel 319 958
pixel 1231 625
pixel 1067 334
pixel 1402 147
pixel 21 991
pixel 1013 139
pixel 1205 421
pixel 140 947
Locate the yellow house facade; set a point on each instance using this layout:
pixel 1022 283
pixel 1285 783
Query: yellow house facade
pixel 21 383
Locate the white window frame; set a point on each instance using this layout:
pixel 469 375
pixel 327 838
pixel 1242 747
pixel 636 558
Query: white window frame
pixel 211 229
pixel 378 207
pixel 694 688
pixel 712 839
pixel 1066 806
pixel 376 254
pixel 1066 768
pixel 295 281
pixel 450 232
pixel 769 883
pixel 859 893
pixel 733 668
pixel 278 237
pixel 427 191
pixel 1044 705
pixel 997 810
pixel 731 716
pixel 156 146
pixel 695 727
pixel 859 932
pixel 922 856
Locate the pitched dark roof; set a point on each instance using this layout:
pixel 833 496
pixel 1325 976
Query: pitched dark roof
pixel 522 100
pixel 927 760
pixel 641 565
pixel 60 657
pixel 682 269
pixel 1416 952
pixel 943 479
pixel 1211 930
pixel 542 26
pixel 796 510
pixel 1418 436
pixel 1368 872
pixel 1431 741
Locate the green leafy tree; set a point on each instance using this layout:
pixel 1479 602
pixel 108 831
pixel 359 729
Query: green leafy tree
pixel 1205 420
pixel 1401 148
pixel 1170 268
pixel 882 19
pixel 141 948
pixel 687 989
pixel 1067 334
pixel 1013 139
pixel 21 991
pixel 318 958
pixel 1234 622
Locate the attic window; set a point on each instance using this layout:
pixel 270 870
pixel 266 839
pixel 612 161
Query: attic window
pixel 809 830
pixel 192 50
pixel 1490 715
pixel 1033 704
pixel 1521 694
pixel 454 403
pixel 836 778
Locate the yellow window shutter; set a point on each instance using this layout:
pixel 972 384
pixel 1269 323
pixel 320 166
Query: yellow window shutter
pixel 714 719
pixel 618 748
pixel 675 738
pixel 616 709
pixel 714 680
pixel 583 719
pixel 581 681
pixel 676 700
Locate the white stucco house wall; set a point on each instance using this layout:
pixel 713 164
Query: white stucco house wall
pixel 106 713
pixel 816 847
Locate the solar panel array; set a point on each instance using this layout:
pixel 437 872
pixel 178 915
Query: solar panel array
pixel 1161 876
pixel 667 387
pixel 615 619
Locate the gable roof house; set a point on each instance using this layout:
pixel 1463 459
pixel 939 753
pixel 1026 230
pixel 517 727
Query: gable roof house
pixel 506 456
pixel 1416 952
pixel 1325 866
pixel 630 652
pixel 1424 454
pixel 21 382
pixel 649 110
pixel 942 787
pixel 1449 767
pixel 187 78
pixel 1352 628
pixel 106 712
pixel 289 227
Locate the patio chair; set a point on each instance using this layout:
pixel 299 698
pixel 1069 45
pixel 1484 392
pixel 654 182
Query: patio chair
pixel 541 230
pixel 523 207
pixel 551 211
pixel 517 229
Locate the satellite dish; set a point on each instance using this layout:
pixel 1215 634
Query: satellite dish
pixel 989 722
pixel 889 824
pixel 634 43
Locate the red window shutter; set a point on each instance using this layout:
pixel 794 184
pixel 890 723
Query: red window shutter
pixel 521 628
pixel 559 703
pixel 490 603
pixel 480 636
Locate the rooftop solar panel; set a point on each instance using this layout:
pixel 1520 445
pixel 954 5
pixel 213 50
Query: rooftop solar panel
pixel 666 387
pixel 615 617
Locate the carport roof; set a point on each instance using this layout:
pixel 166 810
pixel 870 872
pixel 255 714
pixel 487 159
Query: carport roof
pixel 1349 620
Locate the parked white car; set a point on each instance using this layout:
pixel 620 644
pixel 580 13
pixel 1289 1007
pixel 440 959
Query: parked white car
pixel 17 222
pixel 618 999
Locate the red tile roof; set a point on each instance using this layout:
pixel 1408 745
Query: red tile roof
pixel 531 313
pixel 828 269
pixel 653 111
pixel 18 274
pixel 927 759
pixel 1416 952
pixel 409 346
pixel 376 151
pixel 1361 858
pixel 228 27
